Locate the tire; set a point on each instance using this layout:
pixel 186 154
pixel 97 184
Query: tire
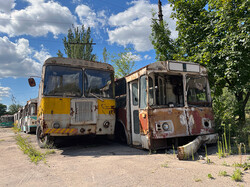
pixel 44 141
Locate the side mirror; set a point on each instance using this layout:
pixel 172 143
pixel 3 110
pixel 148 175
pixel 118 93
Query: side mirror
pixel 32 82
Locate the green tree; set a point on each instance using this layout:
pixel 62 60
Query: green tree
pixel 59 53
pixel 218 38
pixel 105 55
pixel 164 46
pixel 123 63
pixel 3 109
pixel 78 44
pixel 14 108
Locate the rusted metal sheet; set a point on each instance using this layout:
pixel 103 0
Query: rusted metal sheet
pixel 174 117
pixel 143 116
pixel 200 120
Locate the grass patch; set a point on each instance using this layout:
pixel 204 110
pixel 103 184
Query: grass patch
pixel 2 140
pixel 237 175
pixel 34 155
pixel 197 180
pixel 245 165
pixel 165 165
pixel 223 173
pixel 225 164
pixel 16 129
pixel 210 176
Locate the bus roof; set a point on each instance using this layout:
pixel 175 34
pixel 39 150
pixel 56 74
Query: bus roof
pixel 168 66
pixel 78 63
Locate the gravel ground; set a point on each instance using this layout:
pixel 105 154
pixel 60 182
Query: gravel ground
pixel 85 161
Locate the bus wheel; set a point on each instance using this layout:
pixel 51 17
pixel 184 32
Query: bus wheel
pixel 44 141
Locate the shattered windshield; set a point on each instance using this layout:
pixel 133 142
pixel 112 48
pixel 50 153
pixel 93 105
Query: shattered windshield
pixel 98 83
pixel 63 81
pixel 197 93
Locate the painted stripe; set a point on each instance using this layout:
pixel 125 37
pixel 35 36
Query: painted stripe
pixel 61 131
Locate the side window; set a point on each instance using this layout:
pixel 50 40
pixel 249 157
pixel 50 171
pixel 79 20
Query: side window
pixel 143 92
pixel 151 91
pixel 135 94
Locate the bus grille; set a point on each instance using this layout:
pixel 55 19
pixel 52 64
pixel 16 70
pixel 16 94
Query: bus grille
pixel 84 111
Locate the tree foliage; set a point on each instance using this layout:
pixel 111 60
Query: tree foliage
pixel 164 46
pixel 3 109
pixel 123 63
pixel 78 44
pixel 14 108
pixel 216 34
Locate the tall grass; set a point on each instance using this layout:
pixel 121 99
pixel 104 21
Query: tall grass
pixel 224 146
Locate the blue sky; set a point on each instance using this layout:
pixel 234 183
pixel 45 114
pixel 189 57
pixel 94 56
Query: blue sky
pixel 32 30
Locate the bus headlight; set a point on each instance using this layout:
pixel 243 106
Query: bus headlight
pixel 56 125
pixel 106 124
pixel 165 126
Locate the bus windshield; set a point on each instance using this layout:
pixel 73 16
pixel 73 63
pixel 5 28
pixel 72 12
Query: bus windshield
pixel 98 83
pixel 197 92
pixel 63 81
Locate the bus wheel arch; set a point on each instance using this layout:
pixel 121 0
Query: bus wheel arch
pixel 44 141
pixel 120 133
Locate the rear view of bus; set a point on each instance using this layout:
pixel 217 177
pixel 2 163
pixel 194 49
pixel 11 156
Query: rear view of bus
pixel 164 103
pixel 76 97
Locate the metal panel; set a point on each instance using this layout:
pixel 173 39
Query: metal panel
pixel 193 68
pixel 83 111
pixel 175 66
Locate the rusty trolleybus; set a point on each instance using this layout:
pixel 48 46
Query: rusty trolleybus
pixel 161 102
pixel 76 97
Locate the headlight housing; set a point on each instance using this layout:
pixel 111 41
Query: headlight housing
pixel 56 125
pixel 165 126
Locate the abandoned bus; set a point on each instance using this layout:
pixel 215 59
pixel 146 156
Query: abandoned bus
pixel 76 97
pixel 30 116
pixel 7 120
pixel 163 102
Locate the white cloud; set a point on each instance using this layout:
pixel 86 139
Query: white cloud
pixel 7 5
pixel 134 57
pixel 4 92
pixel 18 58
pixel 133 25
pixel 147 57
pixel 38 19
pixel 89 18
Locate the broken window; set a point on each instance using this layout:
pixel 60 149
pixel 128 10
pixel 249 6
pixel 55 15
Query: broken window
pixel 197 93
pixel 168 90
pixel 143 92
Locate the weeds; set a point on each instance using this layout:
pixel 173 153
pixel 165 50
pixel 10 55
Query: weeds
pixel 210 176
pixel 165 165
pixel 173 151
pixel 197 180
pixel 237 175
pixel 34 155
pixel 225 164
pixel 223 173
pixel 2 140
pixel 16 129
pixel 207 159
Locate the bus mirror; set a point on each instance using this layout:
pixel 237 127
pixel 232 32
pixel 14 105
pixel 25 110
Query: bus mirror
pixel 32 82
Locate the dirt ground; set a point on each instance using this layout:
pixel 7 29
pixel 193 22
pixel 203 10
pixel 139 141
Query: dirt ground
pixel 100 162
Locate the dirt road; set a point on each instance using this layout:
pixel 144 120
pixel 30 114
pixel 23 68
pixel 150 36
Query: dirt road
pixel 99 162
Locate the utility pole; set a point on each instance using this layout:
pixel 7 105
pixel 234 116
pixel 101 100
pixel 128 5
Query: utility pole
pixel 160 12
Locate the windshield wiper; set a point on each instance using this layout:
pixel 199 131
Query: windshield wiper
pixel 96 96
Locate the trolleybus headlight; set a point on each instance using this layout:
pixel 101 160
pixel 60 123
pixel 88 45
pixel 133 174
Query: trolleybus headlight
pixel 56 125
pixel 165 126
pixel 106 124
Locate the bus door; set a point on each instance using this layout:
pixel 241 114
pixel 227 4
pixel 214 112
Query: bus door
pixel 134 112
